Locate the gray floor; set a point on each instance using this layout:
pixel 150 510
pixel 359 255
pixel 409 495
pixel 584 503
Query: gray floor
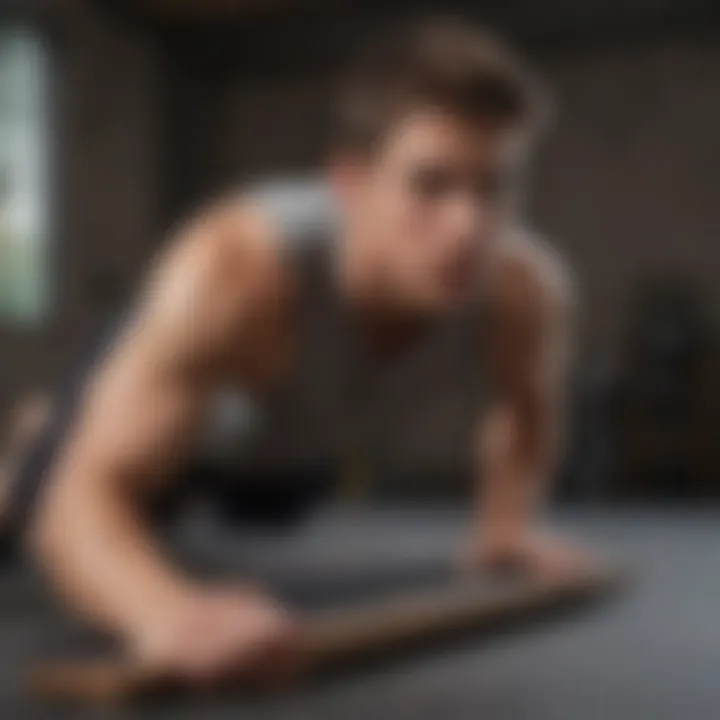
pixel 652 654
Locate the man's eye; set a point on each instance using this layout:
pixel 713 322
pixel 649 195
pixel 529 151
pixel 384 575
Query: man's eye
pixel 431 182
pixel 489 185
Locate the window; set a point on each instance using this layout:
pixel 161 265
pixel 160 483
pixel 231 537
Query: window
pixel 24 256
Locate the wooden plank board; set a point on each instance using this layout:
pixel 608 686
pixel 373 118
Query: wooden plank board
pixel 343 636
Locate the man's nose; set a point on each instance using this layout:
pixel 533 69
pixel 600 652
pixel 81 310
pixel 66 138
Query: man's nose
pixel 465 219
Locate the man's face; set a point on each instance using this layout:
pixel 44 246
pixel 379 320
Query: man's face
pixel 428 204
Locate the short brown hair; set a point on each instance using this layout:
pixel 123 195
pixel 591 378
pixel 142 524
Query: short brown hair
pixel 445 63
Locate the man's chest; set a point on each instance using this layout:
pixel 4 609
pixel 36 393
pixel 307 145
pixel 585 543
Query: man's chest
pixel 329 399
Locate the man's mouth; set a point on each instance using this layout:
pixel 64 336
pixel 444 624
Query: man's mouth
pixel 457 275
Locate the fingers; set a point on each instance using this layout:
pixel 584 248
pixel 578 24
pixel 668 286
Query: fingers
pixel 277 659
pixel 534 555
pixel 250 641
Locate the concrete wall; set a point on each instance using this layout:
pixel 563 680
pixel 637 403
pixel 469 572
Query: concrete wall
pixel 629 181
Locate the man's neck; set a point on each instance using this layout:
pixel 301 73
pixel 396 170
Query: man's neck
pixel 388 321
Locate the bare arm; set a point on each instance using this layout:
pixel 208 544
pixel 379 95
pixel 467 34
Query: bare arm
pixel 519 438
pixel 137 421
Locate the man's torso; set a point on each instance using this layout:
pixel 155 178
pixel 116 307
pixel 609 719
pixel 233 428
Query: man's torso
pixel 338 402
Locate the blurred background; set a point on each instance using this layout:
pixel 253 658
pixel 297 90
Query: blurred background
pixel 117 118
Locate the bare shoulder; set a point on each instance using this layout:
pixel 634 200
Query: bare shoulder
pixel 227 252
pixel 219 270
pixel 532 275
pixel 531 311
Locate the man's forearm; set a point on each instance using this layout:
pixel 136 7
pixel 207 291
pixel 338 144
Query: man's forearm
pixel 91 539
pixel 515 463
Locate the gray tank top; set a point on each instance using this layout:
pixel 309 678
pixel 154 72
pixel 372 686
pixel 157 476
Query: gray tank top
pixel 411 416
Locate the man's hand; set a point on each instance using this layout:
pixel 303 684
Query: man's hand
pixel 533 553
pixel 222 636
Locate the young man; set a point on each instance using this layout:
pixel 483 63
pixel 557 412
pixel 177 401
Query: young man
pixel 258 298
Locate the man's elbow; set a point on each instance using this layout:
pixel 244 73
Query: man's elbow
pixel 53 519
pixel 66 510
